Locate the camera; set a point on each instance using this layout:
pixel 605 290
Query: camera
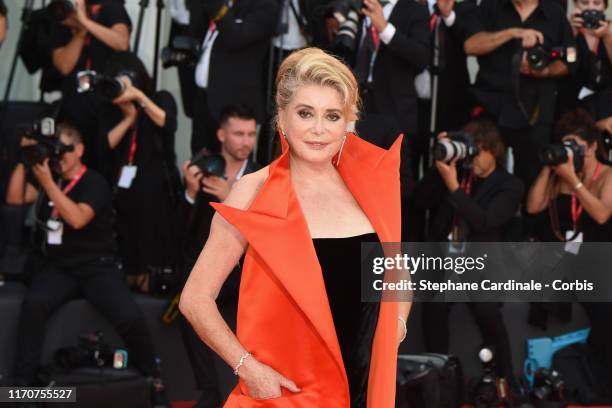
pixel 606 139
pixel 347 12
pixel 458 145
pixel 104 86
pixel 48 145
pixel 487 390
pixel 210 164
pixel 548 385
pixel 91 351
pixel 183 50
pixel 554 154
pixel 592 18
pixel 61 9
pixel 539 57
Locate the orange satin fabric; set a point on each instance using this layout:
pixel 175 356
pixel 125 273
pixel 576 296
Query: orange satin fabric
pixel 283 313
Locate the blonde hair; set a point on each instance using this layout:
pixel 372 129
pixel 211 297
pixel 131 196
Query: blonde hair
pixel 313 66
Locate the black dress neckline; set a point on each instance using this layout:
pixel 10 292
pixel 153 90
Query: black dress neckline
pixel 366 234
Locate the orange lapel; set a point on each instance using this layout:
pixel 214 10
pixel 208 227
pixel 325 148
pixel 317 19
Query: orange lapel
pixel 276 229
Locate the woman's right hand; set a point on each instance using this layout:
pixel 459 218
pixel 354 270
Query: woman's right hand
pixel 262 381
pixel 576 21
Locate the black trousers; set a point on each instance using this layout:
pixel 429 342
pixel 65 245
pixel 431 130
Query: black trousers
pixel 100 283
pixel 488 318
pixel 204 125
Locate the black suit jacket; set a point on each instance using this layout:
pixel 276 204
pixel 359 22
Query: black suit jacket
pixel 484 215
pixel 399 62
pixel 238 55
pixel 454 99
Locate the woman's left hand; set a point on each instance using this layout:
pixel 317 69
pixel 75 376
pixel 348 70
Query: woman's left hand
pixel 603 29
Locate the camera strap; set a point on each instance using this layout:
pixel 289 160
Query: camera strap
pixel 466 186
pixel 133 145
pixel 69 187
pixel 300 18
pixel 578 209
pixel 94 10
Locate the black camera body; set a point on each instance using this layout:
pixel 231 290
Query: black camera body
pixel 555 154
pixel 210 164
pixel 539 57
pixel 484 390
pixel 91 351
pixel 348 14
pixel 104 86
pixel 61 9
pixel 591 18
pixel 458 145
pixel 183 51
pixel 548 385
pixel 48 144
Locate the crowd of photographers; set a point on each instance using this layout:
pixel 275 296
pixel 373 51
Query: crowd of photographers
pixel 522 153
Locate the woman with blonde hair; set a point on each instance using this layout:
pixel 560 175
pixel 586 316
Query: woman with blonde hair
pixel 304 337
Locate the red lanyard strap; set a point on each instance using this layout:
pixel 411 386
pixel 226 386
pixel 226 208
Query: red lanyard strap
pixel 133 145
pixel 70 186
pixel 466 185
pixel 578 209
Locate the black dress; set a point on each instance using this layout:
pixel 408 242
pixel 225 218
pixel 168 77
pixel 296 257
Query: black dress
pixel 355 322
pixel 145 212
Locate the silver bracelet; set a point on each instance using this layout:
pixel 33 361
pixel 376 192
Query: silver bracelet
pixel 405 328
pixel 578 186
pixel 241 362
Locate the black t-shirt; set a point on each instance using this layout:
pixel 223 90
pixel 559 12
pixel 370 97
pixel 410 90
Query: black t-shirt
pixel 95 55
pixel 95 240
pixel 494 85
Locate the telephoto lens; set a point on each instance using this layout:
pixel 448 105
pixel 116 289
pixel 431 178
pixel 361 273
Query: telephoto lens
pixel 458 145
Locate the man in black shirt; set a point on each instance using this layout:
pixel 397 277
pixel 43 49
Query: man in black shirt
pixel 78 257
pixel 85 41
pixel 519 97
pixel 237 136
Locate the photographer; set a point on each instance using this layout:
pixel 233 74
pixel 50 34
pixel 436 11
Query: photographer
pixel 77 257
pixel 471 204
pixel 237 136
pixel 593 83
pixel 235 39
pixel 518 95
pixel 86 40
pixel 136 133
pixel 575 204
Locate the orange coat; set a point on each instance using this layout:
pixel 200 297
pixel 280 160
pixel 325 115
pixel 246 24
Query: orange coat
pixel 284 318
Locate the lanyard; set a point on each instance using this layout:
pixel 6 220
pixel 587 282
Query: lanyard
pixel 133 145
pixel 70 186
pixel 433 19
pixel 577 210
pixel 466 185
pixel 95 10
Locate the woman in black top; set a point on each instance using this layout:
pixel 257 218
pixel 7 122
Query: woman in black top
pixel 577 205
pixel 136 134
